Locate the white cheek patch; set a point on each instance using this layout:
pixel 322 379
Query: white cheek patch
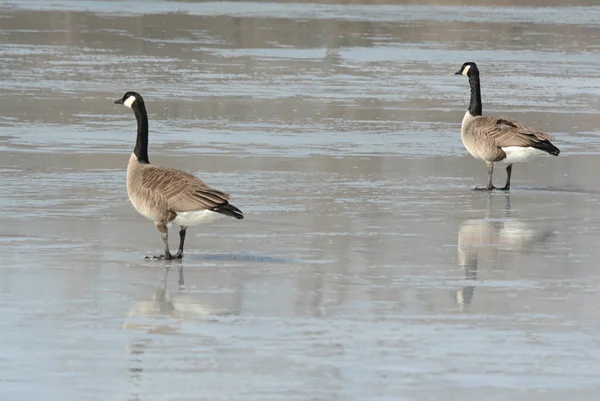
pixel 466 70
pixel 129 101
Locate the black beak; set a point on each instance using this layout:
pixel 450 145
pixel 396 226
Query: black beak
pixel 119 101
pixel 456 73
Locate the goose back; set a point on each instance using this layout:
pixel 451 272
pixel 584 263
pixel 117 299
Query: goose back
pixel 159 193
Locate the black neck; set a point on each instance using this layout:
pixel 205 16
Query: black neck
pixel 141 145
pixel 475 107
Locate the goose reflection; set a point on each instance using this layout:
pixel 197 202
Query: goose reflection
pixel 178 305
pixel 163 314
pixel 482 239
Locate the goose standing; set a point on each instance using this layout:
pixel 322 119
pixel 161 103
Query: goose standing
pixel 167 195
pixel 498 139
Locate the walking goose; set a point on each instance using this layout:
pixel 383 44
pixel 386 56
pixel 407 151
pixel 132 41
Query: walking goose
pixel 498 139
pixel 167 195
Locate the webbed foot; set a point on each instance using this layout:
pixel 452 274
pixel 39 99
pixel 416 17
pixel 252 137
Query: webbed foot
pixel 167 256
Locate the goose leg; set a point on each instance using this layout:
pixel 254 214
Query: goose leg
pixel 164 232
pixel 179 253
pixel 508 173
pixel 490 186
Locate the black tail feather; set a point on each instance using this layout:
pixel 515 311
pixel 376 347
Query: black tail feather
pixel 547 146
pixel 229 210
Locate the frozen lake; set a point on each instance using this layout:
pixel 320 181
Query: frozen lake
pixel 365 268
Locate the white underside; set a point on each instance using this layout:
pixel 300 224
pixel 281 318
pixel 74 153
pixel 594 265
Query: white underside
pixel 196 217
pixel 519 154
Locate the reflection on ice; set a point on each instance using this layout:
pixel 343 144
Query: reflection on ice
pixel 165 311
pixel 482 239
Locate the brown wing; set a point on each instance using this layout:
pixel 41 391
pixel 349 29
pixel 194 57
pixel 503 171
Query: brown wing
pixel 507 132
pixel 182 191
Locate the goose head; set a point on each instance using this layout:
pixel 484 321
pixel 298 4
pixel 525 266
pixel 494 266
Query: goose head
pixel 130 98
pixel 468 69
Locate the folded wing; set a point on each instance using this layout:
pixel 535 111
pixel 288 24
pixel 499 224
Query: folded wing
pixel 182 191
pixel 506 132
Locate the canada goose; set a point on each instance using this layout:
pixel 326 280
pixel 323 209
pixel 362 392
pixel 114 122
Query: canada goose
pixel 498 139
pixel 167 195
